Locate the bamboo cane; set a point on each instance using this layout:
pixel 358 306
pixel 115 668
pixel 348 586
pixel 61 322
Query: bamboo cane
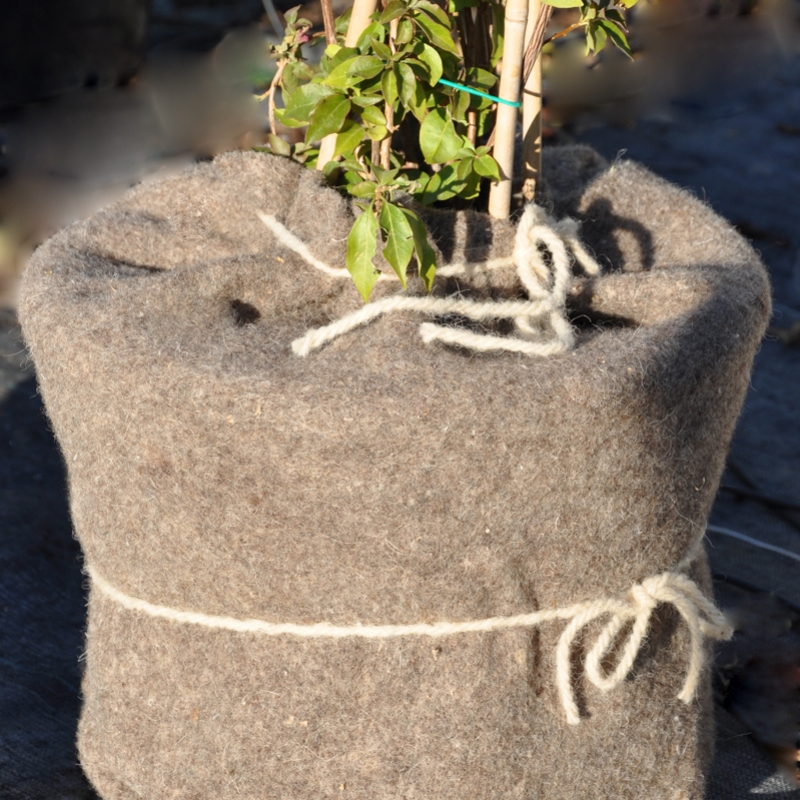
pixel 506 125
pixel 359 19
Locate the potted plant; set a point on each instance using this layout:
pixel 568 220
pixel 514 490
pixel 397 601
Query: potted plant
pixel 398 108
pixel 334 552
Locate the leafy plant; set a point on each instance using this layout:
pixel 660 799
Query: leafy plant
pixel 406 111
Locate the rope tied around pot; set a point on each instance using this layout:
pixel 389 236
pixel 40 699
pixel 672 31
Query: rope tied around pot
pixel 541 323
pixel 702 617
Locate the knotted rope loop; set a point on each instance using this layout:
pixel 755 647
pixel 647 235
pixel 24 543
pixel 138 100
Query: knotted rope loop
pixel 702 618
pixel 540 321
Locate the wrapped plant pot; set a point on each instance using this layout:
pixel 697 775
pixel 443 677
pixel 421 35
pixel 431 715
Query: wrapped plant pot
pixel 360 562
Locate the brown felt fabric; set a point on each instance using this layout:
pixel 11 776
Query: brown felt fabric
pixel 381 480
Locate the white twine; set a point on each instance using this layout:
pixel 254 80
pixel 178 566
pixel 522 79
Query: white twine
pixel 702 618
pixel 292 242
pixel 541 323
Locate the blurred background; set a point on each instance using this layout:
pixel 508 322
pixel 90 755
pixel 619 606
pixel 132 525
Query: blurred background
pixel 98 95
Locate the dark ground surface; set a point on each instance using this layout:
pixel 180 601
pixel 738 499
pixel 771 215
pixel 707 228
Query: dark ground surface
pixel 739 150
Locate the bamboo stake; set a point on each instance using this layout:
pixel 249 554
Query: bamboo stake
pixel 328 144
pixel 506 125
pixel 326 149
pixel 532 101
pixel 359 19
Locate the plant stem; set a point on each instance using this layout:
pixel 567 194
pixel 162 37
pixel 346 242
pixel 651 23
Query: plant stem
pixel 276 79
pixel 536 39
pixel 574 26
pixel 538 17
pixel 359 19
pixel 328 21
pixel 472 126
pixel 506 127
pixel 386 144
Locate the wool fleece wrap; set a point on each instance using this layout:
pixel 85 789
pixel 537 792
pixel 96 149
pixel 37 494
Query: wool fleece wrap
pixel 383 481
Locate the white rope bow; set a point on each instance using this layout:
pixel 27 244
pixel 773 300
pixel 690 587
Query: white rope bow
pixel 541 322
pixel 701 617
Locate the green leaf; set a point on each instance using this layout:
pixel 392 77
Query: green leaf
pixel 349 137
pixel 431 8
pixel 595 37
pixel 406 81
pixel 301 104
pixel 295 74
pixel 373 31
pixel 343 21
pixel 366 66
pixel 363 189
pixel 564 3
pixel 472 187
pixel 451 181
pixel 340 55
pixel 361 246
pixel 331 171
pixel 486 166
pixel 481 78
pixel 305 154
pixel 464 168
pixel 389 86
pixel 461 106
pixel 279 146
pixel 418 185
pixel 364 100
pixel 616 36
pixel 398 237
pixel 443 185
pixel 420 70
pixel 434 63
pixel 438 138
pixel 405 32
pixel 380 49
pixel 328 118
pixel 426 258
pixel 353 168
pixel 439 35
pixel 498 33
pixel 394 9
pixel 385 176
pixel 353 70
pixel 290 17
pixel 377 132
pixel 411 93
pixel 373 115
